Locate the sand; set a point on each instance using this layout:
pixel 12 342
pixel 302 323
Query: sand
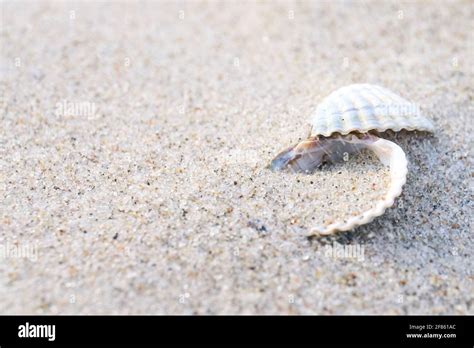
pixel 134 139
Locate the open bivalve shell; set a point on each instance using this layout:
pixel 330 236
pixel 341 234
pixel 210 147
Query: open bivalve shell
pixel 344 123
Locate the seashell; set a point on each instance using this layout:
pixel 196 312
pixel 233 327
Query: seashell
pixel 364 108
pixel 348 120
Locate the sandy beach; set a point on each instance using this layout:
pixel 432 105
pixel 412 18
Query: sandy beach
pixel 135 139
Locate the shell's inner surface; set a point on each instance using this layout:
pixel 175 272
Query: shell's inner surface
pixel 341 150
pixel 310 154
pixel 343 190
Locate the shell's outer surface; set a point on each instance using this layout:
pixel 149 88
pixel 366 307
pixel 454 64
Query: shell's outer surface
pixel 366 107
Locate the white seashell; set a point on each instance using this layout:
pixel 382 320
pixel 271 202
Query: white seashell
pixel 350 111
pixel 365 107
pixel 391 155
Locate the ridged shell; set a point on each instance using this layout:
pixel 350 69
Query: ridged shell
pixel 366 107
pixel 391 155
